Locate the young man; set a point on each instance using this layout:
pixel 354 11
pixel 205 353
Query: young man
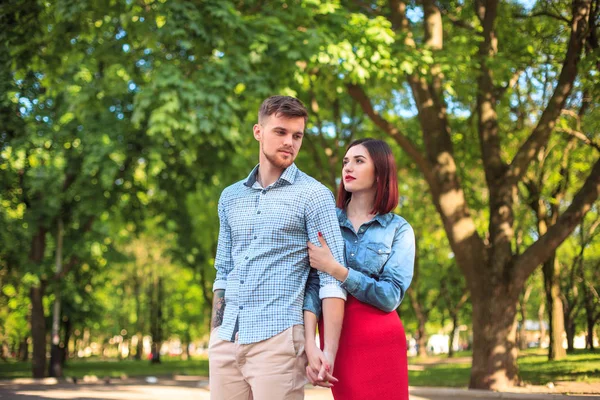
pixel 256 348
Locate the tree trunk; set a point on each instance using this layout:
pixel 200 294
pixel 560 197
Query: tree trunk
pixel 137 288
pixel 24 349
pixel 38 331
pixel 541 312
pixel 4 351
pixel 523 311
pixel 187 340
pixel 67 338
pixel 421 339
pixel 139 350
pixel 590 334
pixel 494 274
pixel 157 323
pixel 494 339
pixel 556 323
pixel 55 366
pixel 590 316
pixel 570 336
pixel 452 335
pixel 569 318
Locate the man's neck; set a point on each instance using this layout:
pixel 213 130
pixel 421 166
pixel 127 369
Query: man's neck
pixel 268 173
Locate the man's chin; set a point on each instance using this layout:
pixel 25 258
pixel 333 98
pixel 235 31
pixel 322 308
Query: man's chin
pixel 280 161
pixel 285 163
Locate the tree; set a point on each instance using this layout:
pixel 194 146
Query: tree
pixel 484 252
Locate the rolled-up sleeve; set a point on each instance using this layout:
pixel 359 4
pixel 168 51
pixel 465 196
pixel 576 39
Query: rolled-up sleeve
pixel 223 258
pixel 387 292
pixel 312 301
pixel 321 217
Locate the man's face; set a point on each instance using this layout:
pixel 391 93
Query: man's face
pixel 280 139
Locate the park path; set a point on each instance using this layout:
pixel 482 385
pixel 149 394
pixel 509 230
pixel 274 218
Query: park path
pixel 139 389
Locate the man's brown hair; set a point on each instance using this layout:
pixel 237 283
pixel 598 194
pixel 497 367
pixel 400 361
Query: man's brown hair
pixel 286 106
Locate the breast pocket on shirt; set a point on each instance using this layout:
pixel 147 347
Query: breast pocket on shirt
pixel 375 257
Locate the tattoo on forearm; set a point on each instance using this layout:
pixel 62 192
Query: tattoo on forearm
pixel 218 308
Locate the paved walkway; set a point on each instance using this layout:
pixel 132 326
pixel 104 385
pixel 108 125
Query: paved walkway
pixel 189 388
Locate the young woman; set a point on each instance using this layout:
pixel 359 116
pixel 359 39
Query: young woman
pixel 380 250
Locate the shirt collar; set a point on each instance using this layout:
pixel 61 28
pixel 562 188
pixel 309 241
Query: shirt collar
pixel 288 175
pixel 382 219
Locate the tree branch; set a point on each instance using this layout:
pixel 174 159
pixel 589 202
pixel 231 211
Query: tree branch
pixel 359 95
pixel 579 135
pixel 542 131
pixel 543 248
pixel 543 14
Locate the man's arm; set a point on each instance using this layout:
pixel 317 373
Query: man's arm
pixel 322 221
pixel 321 218
pixel 218 309
pixel 333 316
pixel 223 265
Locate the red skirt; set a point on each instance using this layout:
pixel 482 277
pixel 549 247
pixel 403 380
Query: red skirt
pixel 371 361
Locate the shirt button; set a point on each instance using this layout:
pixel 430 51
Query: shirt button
pixel 246 257
pixel 241 307
pixel 351 254
pixel 379 250
pixel 258 212
pixel 356 241
pixel 264 192
pixel 255 237
pixel 242 282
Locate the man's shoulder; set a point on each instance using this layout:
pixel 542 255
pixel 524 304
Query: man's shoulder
pixel 233 190
pixel 311 186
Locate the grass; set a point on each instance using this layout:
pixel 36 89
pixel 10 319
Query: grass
pixel 447 375
pixel 582 366
pixel 534 368
pixel 114 368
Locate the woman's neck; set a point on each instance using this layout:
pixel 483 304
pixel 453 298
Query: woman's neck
pixel 361 204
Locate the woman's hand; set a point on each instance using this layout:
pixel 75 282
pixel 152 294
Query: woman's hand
pixel 321 258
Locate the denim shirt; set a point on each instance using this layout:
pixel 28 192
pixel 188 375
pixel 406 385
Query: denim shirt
pixel 380 258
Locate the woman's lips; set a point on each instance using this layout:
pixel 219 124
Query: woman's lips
pixel 349 178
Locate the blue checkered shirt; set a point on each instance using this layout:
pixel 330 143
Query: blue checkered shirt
pixel 262 257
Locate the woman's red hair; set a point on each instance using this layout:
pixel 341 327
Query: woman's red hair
pixel 386 194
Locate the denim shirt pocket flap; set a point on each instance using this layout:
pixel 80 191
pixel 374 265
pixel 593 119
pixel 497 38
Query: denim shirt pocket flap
pixel 376 256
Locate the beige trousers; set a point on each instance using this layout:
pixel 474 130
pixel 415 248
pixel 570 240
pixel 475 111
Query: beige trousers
pixel 274 369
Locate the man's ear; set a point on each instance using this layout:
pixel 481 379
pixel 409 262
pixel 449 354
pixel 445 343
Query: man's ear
pixel 258 131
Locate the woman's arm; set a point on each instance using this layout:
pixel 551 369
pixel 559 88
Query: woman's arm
pixel 385 293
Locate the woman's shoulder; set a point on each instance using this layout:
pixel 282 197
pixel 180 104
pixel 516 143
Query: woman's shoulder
pixel 398 223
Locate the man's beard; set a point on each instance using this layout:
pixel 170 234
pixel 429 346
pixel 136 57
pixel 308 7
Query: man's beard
pixel 279 162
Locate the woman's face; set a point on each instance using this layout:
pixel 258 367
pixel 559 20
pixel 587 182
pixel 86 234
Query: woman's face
pixel 358 172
